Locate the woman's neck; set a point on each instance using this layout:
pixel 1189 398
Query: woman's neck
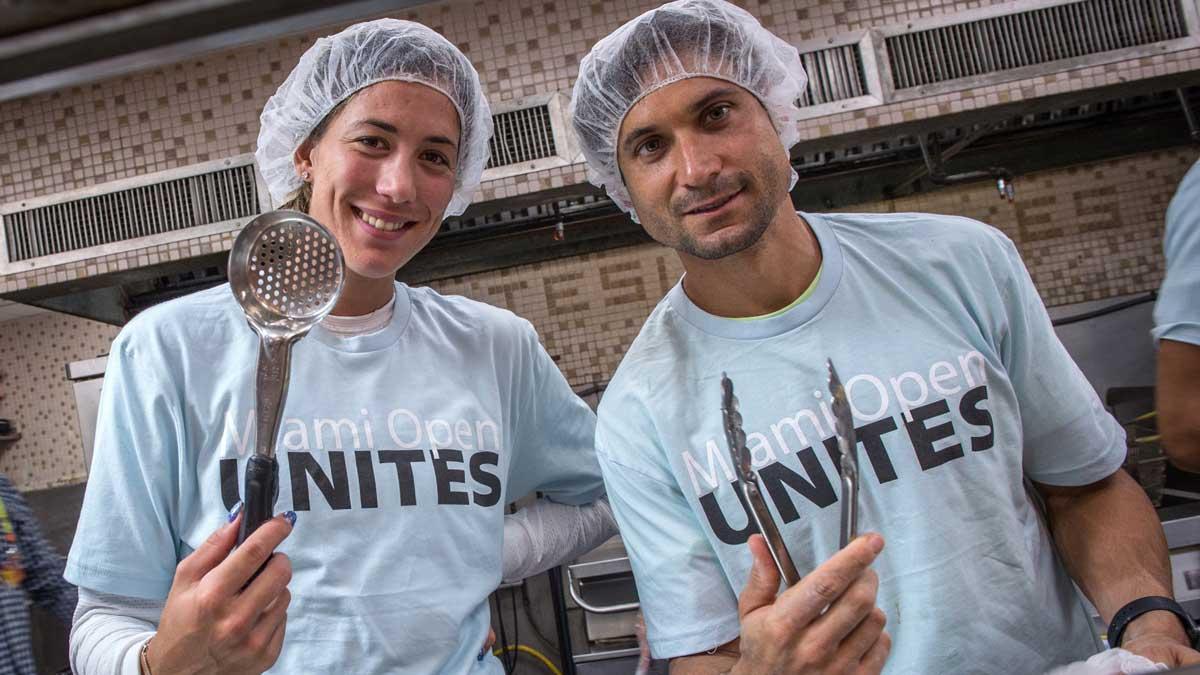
pixel 362 295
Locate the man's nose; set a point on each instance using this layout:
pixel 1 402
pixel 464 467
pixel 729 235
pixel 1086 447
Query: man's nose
pixel 699 163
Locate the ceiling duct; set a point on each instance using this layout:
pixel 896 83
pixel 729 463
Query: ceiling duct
pixel 1032 37
pixel 153 205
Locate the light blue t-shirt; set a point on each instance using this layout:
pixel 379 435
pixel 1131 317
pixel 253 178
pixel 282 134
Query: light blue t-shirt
pixel 960 391
pixel 1177 312
pixel 398 451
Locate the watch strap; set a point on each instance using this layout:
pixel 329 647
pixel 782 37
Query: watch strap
pixel 1131 611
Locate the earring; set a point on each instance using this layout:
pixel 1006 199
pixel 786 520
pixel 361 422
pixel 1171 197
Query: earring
pixel 304 176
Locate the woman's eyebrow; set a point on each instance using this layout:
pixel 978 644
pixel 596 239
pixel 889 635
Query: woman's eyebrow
pixel 441 140
pixel 378 123
pixel 391 129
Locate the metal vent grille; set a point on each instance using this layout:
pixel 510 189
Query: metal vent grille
pixel 203 199
pixel 522 136
pixel 834 74
pixel 1030 38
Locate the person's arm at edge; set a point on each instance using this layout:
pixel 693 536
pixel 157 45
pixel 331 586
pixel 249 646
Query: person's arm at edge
pixel 1177 398
pixel 1113 546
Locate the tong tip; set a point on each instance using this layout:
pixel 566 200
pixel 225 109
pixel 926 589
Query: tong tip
pixel 835 382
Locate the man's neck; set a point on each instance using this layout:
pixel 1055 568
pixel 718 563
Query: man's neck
pixel 762 279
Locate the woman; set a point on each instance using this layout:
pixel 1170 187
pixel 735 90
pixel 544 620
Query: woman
pixel 412 418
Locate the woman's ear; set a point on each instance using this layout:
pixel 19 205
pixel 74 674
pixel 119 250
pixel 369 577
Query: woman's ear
pixel 302 158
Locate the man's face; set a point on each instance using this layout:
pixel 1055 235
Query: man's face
pixel 704 166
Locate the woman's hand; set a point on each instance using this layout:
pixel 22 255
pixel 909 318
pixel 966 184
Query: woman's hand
pixel 212 625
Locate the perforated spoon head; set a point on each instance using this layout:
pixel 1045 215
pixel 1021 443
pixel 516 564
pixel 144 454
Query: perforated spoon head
pixel 287 271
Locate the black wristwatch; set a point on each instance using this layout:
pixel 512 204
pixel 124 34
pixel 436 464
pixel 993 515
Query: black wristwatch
pixel 1131 611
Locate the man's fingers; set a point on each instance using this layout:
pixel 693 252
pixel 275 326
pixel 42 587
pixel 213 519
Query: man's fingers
pixel 763 584
pixel 855 645
pixel 854 606
pixel 874 659
pixel 241 565
pixel 210 554
pixel 804 602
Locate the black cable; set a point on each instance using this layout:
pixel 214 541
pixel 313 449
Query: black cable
pixel 546 642
pixel 502 638
pixel 566 655
pixel 1115 307
pixel 512 597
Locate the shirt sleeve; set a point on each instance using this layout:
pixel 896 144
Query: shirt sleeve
pixel 126 540
pixel 43 566
pixel 545 534
pixel 686 600
pixel 108 633
pixel 1069 438
pixel 1177 312
pixel 553 435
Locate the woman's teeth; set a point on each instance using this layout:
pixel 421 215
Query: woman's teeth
pixel 380 224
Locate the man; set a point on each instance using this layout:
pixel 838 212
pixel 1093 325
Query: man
pixel 961 392
pixel 1177 330
pixel 29 570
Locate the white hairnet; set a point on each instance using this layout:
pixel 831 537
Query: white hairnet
pixel 682 39
pixel 366 53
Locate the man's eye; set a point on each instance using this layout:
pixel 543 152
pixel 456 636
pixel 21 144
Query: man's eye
pixel 649 147
pixel 718 113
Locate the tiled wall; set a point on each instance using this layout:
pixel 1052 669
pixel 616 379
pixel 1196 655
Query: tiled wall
pixel 181 114
pixel 1088 232
pixel 38 398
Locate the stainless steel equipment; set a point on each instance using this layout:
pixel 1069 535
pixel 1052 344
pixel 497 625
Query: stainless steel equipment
pixel 86 378
pixel 286 270
pixel 1181 524
pixel 601 584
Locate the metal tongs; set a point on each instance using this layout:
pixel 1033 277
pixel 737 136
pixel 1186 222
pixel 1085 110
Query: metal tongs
pixel 847 447
pixel 747 484
pixel 747 479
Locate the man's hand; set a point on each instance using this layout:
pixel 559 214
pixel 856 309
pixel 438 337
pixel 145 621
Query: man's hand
pixel 213 622
pixel 1159 637
pixel 828 623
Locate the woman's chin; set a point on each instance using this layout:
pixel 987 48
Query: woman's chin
pixel 374 271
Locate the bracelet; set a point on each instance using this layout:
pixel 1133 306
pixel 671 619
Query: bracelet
pixel 144 658
pixel 1131 611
